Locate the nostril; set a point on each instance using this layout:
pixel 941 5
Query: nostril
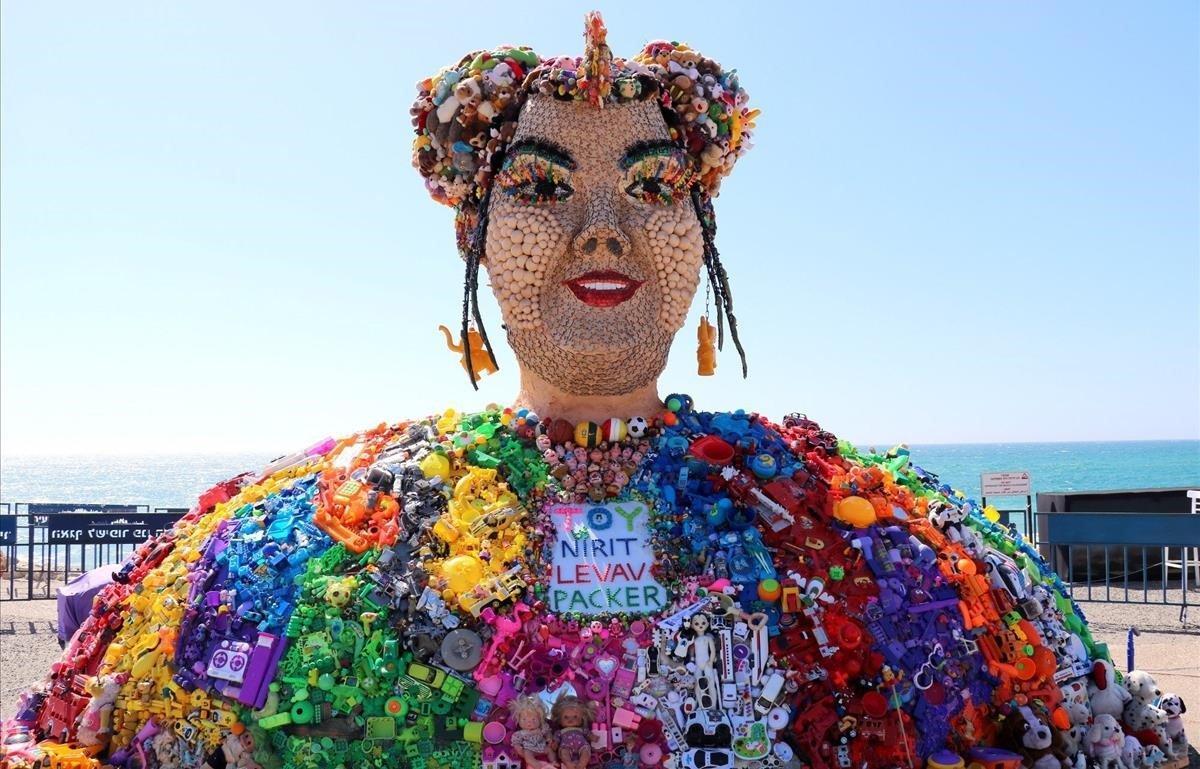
pixel 614 246
pixel 589 245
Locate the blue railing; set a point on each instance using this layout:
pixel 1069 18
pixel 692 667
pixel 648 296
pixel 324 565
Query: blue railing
pixel 1124 557
pixel 43 544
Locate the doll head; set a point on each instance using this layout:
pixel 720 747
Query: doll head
pixel 570 712
pixel 584 187
pixel 529 711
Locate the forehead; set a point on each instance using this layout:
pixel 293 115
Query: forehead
pixel 589 133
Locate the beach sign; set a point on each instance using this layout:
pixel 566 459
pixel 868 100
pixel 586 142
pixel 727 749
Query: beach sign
pixel 1015 483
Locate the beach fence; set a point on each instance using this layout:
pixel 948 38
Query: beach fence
pixel 43 545
pixel 1114 556
pixel 1104 556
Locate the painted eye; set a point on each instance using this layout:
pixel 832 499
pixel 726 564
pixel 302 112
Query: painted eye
pixel 539 191
pixel 653 191
pixel 527 179
pixel 547 188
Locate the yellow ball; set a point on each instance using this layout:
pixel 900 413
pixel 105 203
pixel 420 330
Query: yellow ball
pixel 855 511
pixel 462 572
pixel 587 434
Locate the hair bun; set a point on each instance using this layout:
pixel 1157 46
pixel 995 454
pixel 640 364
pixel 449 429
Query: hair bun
pixel 466 114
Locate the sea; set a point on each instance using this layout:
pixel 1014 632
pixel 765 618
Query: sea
pixel 176 480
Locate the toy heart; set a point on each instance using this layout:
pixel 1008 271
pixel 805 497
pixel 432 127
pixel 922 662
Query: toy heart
pixel 606 665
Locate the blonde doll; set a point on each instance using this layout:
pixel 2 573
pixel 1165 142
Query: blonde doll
pixel 532 739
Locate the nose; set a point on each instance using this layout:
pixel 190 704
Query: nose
pixel 600 231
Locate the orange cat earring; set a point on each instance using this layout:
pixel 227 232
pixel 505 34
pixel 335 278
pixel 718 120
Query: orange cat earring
pixel 706 351
pixel 481 357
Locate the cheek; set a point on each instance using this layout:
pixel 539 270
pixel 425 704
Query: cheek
pixel 677 249
pixel 521 242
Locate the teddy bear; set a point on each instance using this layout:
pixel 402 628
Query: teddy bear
pixel 1105 743
pixel 1104 694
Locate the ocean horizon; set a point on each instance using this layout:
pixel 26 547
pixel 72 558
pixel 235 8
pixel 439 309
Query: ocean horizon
pixel 175 480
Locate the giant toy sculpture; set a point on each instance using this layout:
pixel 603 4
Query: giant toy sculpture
pixel 595 576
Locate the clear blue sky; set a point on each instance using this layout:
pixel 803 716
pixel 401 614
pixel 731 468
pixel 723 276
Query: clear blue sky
pixel 960 222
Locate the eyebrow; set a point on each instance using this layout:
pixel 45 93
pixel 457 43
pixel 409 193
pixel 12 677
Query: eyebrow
pixel 544 148
pixel 639 150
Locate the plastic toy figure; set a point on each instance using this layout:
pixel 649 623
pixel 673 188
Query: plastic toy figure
pixel 702 651
pixel 572 719
pixel 532 740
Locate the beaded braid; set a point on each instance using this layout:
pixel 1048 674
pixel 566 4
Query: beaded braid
pixel 717 276
pixel 470 307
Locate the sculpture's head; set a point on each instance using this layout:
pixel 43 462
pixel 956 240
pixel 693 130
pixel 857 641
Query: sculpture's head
pixel 584 187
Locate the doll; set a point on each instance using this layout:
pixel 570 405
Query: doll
pixel 531 741
pixel 572 719
pixel 703 651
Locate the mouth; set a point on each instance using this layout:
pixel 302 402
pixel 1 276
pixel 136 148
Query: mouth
pixel 603 289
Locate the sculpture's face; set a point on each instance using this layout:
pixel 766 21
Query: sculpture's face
pixel 593 247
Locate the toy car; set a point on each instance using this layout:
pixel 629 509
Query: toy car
pixel 427 675
pixel 707 759
pixel 708 730
pixel 17 740
pixel 56 755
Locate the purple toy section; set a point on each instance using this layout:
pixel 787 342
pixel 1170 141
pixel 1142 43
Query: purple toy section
pixel 75 599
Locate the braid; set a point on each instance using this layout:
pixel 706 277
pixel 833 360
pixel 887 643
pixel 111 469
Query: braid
pixel 717 275
pixel 470 305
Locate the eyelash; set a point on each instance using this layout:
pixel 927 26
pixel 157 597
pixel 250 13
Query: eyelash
pixel 532 179
pixel 667 175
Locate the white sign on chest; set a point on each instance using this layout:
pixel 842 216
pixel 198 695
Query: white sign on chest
pixel 602 560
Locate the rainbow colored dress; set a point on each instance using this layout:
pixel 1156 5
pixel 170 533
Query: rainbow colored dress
pixel 376 601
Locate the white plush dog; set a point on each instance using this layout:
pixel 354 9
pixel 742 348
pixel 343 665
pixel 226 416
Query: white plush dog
pixel 1173 706
pixel 1133 754
pixel 1139 712
pixel 1075 702
pixel 1155 757
pixel 1105 743
pixel 1141 715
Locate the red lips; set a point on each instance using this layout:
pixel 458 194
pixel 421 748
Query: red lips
pixel 603 289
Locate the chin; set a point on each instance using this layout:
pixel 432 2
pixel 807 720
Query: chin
pixel 593 363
